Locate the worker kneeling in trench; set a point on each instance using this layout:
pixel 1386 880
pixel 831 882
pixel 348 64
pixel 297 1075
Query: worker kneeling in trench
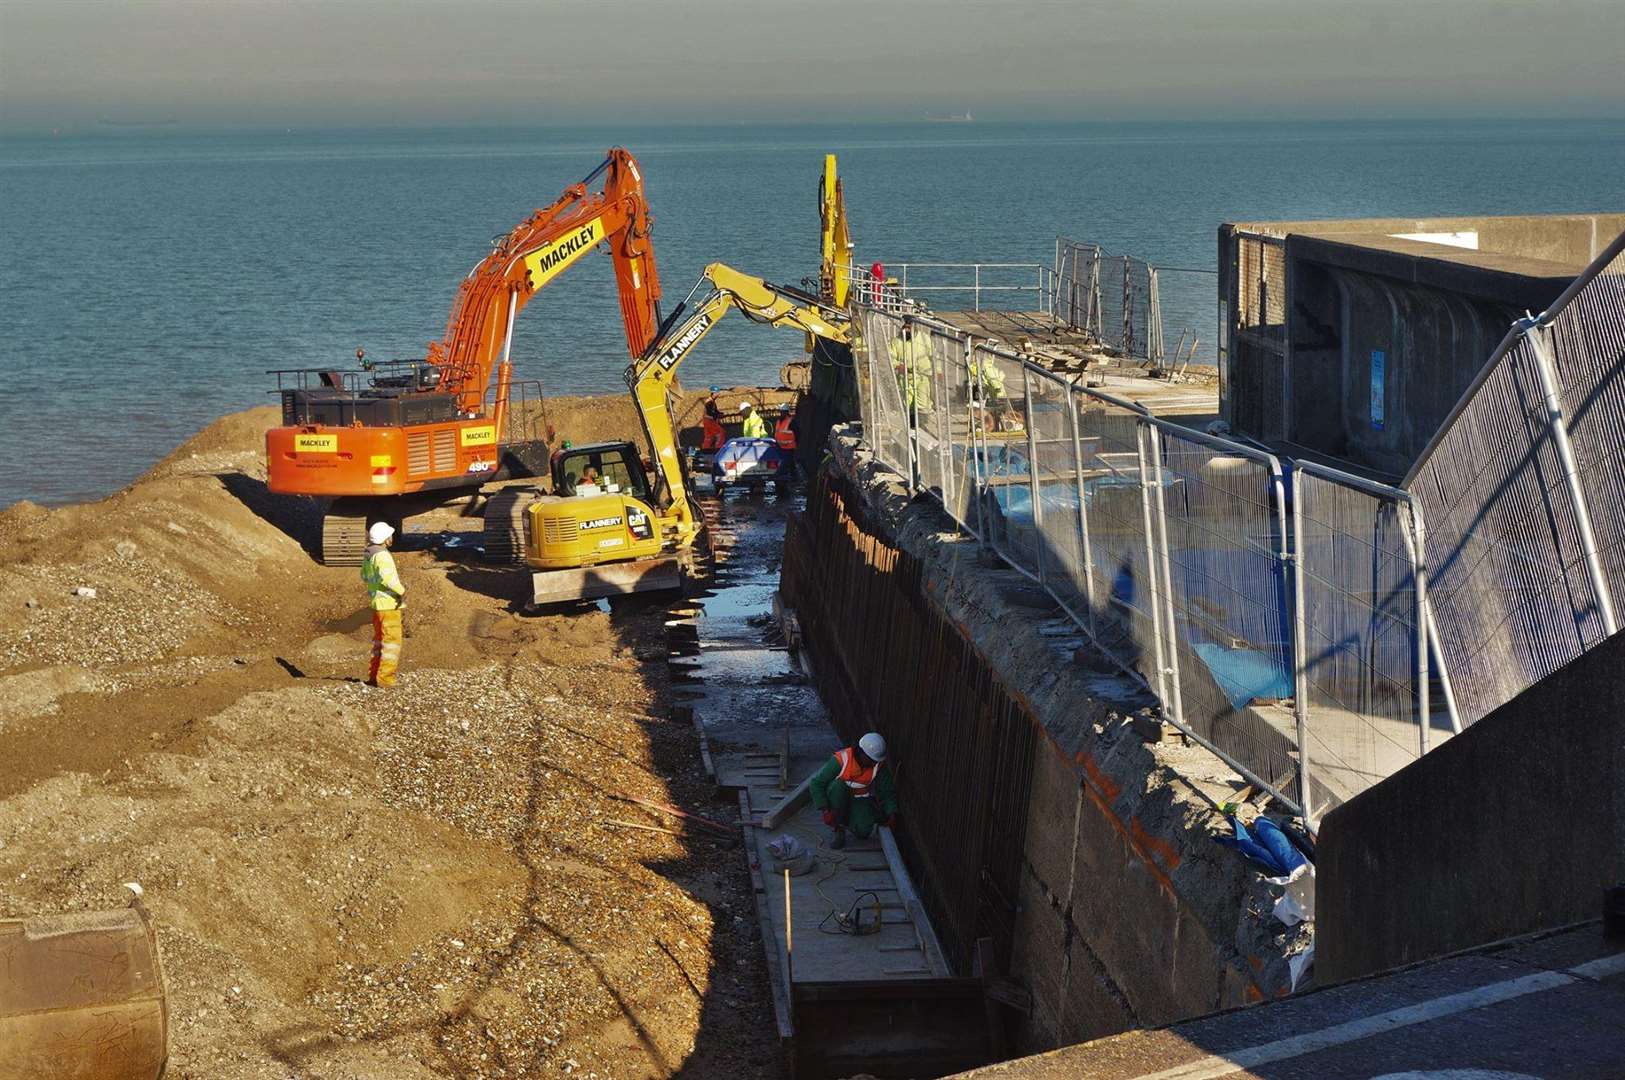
pixel 855 790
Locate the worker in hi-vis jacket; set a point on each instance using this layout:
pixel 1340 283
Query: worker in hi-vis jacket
pixel 386 595
pixel 855 790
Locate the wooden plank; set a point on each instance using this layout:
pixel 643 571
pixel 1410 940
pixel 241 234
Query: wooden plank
pixel 789 804
pixel 776 977
pixel 911 901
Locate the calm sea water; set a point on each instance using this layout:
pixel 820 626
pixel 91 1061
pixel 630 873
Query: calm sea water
pixel 147 280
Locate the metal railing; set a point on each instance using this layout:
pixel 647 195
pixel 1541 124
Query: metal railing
pixel 990 285
pixel 1278 611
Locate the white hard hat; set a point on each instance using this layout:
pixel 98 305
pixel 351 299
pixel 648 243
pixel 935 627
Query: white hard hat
pixel 745 406
pixel 380 532
pixel 874 745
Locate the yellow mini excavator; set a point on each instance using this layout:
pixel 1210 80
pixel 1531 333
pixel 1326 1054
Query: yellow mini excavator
pixel 612 527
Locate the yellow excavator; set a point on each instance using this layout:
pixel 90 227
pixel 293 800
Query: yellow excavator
pixel 610 527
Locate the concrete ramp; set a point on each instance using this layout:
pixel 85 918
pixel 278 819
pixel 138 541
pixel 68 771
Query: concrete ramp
pixel 1552 1008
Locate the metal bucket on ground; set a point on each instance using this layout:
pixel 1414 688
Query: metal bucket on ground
pixel 82 996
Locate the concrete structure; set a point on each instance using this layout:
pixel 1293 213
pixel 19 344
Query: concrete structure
pixel 1549 1007
pixel 1516 825
pixel 1351 340
pixel 1092 865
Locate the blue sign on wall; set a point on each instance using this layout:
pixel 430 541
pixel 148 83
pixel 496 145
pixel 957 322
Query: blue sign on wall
pixel 1379 388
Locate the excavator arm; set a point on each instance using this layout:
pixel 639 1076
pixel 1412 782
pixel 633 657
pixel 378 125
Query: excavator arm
pixel 651 376
pixel 479 332
pixel 835 238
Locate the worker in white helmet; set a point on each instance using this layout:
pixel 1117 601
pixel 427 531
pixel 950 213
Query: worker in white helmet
pixel 854 790
pixel 386 595
pixel 754 427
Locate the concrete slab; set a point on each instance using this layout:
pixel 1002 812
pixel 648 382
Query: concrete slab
pixel 1060 348
pixel 1552 1008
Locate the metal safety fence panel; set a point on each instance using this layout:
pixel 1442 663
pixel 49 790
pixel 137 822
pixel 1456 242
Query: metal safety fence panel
pixel 1057 496
pixel 1227 602
pixel 1587 346
pixel 1116 534
pixel 959 417
pixel 1364 668
pixel 885 418
pixel 1006 460
pixel 1523 498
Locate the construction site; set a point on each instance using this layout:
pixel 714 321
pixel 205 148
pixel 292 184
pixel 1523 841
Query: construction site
pixel 1202 694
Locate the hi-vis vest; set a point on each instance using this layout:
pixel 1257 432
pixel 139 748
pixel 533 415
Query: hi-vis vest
pixel 754 427
pixel 384 588
pixel 783 435
pixel 860 780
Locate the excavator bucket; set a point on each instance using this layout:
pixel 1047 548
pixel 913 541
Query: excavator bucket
pixel 661 574
pixel 82 997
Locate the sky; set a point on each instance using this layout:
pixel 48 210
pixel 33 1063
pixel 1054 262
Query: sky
pixel 86 64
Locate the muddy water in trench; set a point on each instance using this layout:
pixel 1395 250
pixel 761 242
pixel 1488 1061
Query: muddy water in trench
pixel 748 690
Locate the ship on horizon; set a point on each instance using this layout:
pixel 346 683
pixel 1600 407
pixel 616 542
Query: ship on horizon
pixel 950 118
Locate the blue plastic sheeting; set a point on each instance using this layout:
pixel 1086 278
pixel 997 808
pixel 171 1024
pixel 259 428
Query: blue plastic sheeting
pixel 1245 675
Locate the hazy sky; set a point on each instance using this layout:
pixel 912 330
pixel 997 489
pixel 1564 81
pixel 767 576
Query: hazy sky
pixel 77 63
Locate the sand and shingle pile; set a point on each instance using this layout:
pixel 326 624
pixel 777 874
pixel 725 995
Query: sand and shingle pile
pixel 443 879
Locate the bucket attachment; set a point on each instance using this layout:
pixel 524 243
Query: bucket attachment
pixel 661 574
pixel 82 997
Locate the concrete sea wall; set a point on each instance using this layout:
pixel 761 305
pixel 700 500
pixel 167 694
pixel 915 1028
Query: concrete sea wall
pixel 1034 814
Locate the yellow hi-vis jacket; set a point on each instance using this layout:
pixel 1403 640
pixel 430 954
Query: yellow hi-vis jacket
pixel 384 588
pixel 755 427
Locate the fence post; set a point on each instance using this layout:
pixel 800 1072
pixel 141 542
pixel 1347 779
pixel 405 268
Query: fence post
pixel 977 443
pixel 976 295
pixel 944 430
pixel 1083 511
pixel 1154 438
pixel 1419 578
pixel 910 450
pixel 1032 470
pixel 1534 333
pixel 1151 563
pixel 1300 651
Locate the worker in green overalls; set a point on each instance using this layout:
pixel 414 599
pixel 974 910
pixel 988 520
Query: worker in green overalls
pixel 854 790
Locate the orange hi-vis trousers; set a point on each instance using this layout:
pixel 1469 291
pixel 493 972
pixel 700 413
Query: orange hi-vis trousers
pixel 386 646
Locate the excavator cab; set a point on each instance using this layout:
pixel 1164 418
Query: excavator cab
pixel 599 534
pixel 610 469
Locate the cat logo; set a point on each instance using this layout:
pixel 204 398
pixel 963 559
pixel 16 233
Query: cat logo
pixel 601 523
pixel 638 522
pixel 674 352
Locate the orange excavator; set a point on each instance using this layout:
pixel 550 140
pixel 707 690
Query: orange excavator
pixel 395 439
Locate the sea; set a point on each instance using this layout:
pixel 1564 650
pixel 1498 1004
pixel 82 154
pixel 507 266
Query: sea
pixel 149 278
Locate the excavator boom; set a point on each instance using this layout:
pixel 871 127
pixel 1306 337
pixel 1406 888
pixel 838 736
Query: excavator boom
pixel 581 546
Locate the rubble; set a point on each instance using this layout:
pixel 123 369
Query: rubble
pixel 418 882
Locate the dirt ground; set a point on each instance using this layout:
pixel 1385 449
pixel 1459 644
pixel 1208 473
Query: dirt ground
pixel 444 879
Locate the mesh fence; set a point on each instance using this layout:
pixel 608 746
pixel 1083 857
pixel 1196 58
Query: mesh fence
pixel 1055 479
pixel 1116 549
pixel 885 418
pixel 1523 499
pixel 1588 349
pixel 1222 534
pixel 1007 501
pixel 1175 550
pixel 1357 552
pixel 1113 298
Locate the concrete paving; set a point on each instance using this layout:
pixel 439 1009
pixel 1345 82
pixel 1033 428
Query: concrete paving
pixel 1551 1008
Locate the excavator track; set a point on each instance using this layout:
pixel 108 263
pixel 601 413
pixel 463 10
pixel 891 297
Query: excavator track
pixel 344 534
pixel 505 523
